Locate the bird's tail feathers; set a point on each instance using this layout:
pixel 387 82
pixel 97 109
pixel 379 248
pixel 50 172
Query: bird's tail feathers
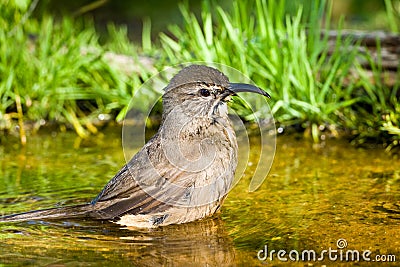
pixel 79 211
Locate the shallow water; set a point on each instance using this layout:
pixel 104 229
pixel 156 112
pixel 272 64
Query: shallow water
pixel 313 197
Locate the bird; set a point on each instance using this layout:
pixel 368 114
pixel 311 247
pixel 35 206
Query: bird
pixel 184 172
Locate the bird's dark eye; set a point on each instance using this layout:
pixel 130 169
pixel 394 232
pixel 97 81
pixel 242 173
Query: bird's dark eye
pixel 204 92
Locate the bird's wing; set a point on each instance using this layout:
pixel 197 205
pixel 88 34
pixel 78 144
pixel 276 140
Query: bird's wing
pixel 139 186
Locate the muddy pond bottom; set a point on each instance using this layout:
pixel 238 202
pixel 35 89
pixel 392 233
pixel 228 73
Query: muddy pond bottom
pixel 318 205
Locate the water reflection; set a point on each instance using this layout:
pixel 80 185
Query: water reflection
pixel 312 197
pixel 204 243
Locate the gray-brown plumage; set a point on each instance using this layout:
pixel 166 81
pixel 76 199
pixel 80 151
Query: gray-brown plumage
pixel 184 171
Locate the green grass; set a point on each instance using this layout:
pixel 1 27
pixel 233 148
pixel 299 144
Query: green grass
pixel 377 116
pixel 57 71
pixel 392 15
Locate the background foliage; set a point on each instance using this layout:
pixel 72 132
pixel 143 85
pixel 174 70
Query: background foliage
pixel 57 69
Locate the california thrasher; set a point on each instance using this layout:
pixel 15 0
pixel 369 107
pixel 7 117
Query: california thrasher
pixel 184 172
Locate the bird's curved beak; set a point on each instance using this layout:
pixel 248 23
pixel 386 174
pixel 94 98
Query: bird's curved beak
pixel 244 87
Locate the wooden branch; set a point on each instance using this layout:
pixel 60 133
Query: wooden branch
pixel 389 46
pixel 388 59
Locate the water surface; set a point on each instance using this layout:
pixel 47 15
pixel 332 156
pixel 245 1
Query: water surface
pixel 312 197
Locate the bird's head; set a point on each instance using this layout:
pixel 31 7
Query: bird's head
pixel 202 91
